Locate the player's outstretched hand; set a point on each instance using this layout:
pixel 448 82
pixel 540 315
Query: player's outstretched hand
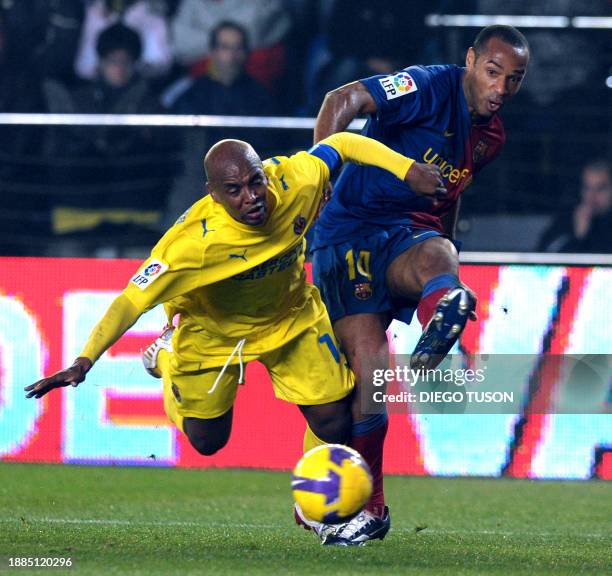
pixel 69 377
pixel 425 180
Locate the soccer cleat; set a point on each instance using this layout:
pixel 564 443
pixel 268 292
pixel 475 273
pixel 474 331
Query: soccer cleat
pixel 361 529
pixel 149 356
pixel 444 328
pixel 320 529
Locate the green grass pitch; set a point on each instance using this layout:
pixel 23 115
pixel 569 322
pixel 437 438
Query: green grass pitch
pixel 168 521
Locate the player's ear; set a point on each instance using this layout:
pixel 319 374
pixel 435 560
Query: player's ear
pixel 470 57
pixel 210 191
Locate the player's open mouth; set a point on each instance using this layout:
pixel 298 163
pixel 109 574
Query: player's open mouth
pixel 256 212
pixel 493 105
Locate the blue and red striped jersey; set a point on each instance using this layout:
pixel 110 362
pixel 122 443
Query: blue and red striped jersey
pixel 421 113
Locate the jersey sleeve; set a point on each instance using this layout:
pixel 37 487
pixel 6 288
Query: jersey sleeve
pixel 406 96
pixel 346 147
pixel 175 267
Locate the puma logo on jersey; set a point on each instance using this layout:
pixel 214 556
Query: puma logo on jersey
pixel 205 229
pixel 239 256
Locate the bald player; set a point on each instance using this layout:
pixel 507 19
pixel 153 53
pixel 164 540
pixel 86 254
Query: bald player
pixel 232 269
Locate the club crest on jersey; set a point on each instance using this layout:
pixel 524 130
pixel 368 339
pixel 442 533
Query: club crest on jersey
pixel 363 291
pixel 153 270
pixel 299 224
pixel 398 85
pixel 480 151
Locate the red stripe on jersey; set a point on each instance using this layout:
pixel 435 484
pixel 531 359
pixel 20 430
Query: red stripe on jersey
pixel 483 145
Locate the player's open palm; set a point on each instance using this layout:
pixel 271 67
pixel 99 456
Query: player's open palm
pixel 425 180
pixel 71 376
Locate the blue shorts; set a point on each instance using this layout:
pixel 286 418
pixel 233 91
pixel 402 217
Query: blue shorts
pixel 351 276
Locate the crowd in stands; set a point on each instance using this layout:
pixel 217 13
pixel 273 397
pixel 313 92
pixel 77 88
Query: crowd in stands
pixel 237 57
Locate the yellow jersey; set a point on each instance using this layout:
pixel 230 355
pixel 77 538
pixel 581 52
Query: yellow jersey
pixel 230 281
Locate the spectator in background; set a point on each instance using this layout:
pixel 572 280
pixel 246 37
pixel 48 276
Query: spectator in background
pixel 144 16
pixel 226 87
pixel 362 39
pixel 122 173
pixel 117 88
pixel 44 35
pixel 267 23
pixel 588 227
pixel 562 112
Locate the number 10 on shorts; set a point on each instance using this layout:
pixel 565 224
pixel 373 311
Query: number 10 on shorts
pixel 363 264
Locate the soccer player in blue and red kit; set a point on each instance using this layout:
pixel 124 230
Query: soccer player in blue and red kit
pixel 383 249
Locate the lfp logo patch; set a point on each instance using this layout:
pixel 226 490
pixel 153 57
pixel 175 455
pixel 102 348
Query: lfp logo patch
pixel 398 85
pixel 149 273
pixel 152 269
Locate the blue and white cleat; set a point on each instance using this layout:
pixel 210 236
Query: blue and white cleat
pixel 444 328
pixel 361 529
pixel 149 356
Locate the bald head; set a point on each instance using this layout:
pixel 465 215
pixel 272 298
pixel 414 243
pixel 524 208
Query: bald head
pixel 228 153
pixel 237 181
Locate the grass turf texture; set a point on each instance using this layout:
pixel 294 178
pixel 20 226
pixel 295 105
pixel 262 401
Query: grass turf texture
pixel 164 521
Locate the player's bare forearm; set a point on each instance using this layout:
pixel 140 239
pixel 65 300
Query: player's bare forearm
pixel 119 317
pixel 340 107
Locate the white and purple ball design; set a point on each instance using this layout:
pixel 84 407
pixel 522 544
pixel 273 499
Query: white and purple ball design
pixel 331 483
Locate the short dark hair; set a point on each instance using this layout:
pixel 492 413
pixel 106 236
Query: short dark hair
pixel 214 34
pixel 119 37
pixel 508 34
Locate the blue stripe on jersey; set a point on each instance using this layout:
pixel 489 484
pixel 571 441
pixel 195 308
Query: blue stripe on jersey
pixel 328 154
pixel 275 160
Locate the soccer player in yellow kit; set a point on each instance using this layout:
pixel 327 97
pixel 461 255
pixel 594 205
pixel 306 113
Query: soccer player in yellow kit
pixel 232 269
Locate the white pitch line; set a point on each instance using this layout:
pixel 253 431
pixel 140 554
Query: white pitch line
pixel 113 522
pixel 425 531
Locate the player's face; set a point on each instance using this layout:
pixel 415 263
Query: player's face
pixel 494 77
pixel 242 190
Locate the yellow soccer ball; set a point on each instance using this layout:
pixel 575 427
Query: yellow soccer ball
pixel 331 483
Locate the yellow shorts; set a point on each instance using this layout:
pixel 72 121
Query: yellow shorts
pixel 307 370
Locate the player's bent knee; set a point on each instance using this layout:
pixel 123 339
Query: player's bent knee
pixel 204 446
pixel 439 253
pixel 330 422
pixel 207 436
